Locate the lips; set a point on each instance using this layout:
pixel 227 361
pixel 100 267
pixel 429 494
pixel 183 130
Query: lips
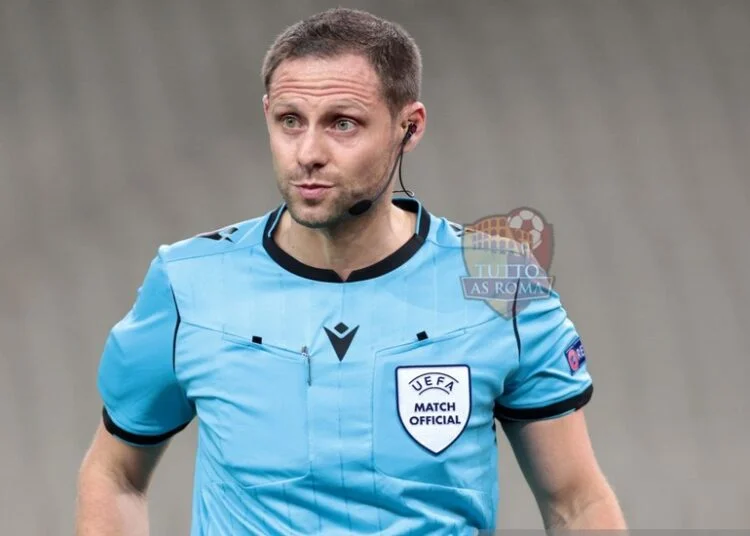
pixel 312 190
pixel 312 185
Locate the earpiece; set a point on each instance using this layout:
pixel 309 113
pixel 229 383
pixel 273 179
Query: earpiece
pixel 410 131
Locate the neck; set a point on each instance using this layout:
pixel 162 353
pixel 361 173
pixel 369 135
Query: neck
pixel 352 245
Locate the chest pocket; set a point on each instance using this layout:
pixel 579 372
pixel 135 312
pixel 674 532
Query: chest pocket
pixel 263 427
pixel 432 412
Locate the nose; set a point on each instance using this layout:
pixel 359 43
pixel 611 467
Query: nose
pixel 311 152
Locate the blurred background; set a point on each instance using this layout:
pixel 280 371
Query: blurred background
pixel 125 124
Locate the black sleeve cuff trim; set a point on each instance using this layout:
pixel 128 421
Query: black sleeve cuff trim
pixel 558 408
pixel 138 439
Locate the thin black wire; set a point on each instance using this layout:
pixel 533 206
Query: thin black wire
pixel 403 189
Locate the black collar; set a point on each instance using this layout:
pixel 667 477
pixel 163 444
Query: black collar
pixel 390 263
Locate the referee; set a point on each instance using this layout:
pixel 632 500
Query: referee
pixel 341 379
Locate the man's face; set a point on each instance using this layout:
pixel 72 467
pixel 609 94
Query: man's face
pixel 332 136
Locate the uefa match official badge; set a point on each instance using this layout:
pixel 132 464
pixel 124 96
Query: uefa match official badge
pixel 508 258
pixel 434 403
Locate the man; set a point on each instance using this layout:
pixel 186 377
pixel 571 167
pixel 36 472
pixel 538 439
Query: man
pixel 341 380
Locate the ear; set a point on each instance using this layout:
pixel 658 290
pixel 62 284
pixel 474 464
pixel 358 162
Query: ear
pixel 414 114
pixel 265 105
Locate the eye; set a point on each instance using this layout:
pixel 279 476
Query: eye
pixel 289 121
pixel 344 124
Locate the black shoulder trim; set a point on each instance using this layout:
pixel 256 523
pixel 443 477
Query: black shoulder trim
pixel 515 320
pixel 137 439
pixel 553 410
pixel 176 328
pixel 221 234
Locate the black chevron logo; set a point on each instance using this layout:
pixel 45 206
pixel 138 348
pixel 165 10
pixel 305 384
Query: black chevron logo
pixel 341 342
pixel 222 234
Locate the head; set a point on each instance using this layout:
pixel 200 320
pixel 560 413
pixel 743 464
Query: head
pixel 342 88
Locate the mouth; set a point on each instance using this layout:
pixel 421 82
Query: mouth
pixel 312 190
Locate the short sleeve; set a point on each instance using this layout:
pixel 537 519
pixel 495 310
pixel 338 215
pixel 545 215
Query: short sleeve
pixel 143 401
pixel 552 377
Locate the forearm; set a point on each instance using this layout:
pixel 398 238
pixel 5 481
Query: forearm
pixel 107 506
pixel 593 511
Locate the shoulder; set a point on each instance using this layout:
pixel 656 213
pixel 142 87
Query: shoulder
pixel 231 237
pixel 446 232
pixel 488 236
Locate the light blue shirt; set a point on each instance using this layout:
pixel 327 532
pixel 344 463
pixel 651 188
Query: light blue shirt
pixel 330 407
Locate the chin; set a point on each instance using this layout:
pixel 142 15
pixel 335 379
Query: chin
pixel 314 217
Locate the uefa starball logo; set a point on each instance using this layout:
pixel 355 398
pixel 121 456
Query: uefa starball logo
pixel 508 258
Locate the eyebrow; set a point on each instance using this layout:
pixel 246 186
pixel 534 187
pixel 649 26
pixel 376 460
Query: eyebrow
pixel 340 106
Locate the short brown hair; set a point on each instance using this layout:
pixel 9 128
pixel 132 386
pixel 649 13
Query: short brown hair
pixel 390 49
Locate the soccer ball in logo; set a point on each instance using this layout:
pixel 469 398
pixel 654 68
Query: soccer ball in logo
pixel 529 221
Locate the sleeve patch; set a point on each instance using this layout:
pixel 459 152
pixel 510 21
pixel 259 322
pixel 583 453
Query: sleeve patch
pixel 575 355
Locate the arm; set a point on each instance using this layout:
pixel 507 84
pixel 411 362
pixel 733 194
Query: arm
pixel 559 464
pixel 112 485
pixel 144 405
pixel 540 412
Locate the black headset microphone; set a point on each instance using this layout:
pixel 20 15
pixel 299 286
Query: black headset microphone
pixel 360 207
